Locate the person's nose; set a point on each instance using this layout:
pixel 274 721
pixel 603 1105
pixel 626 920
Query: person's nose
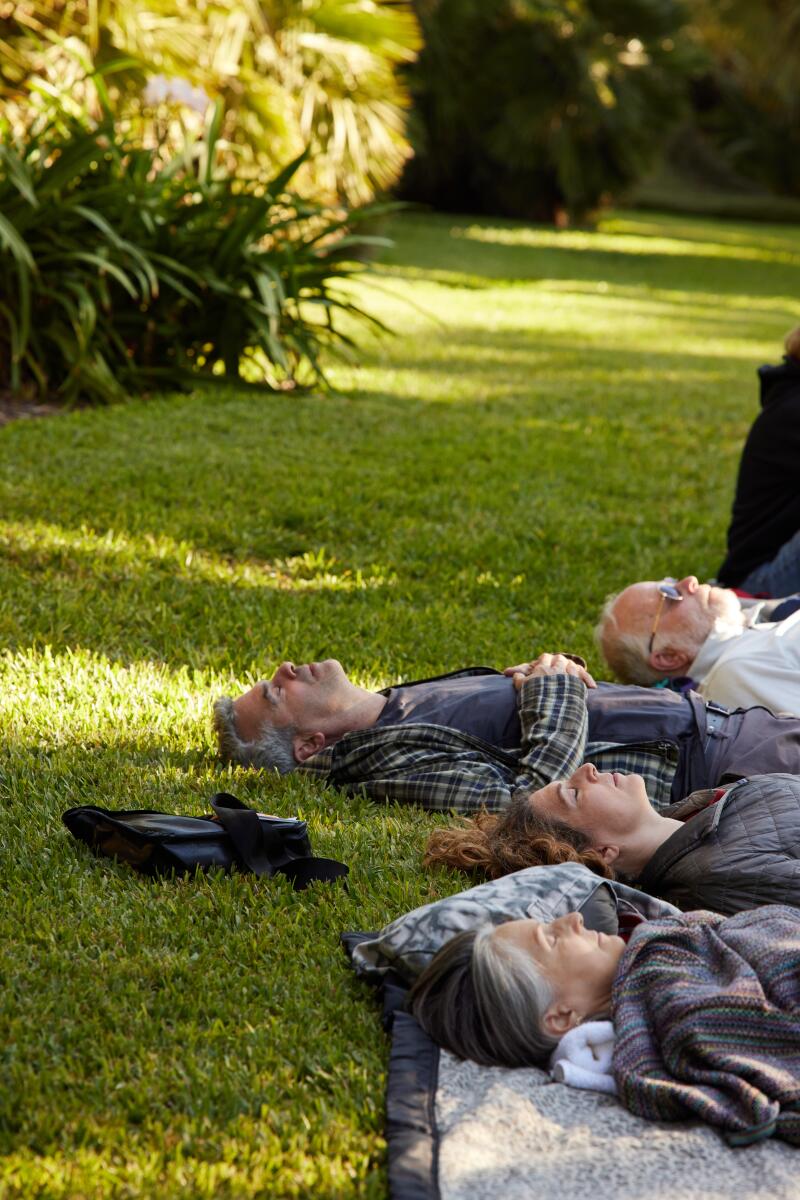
pixel 572 922
pixel 588 773
pixel 285 671
pixel 688 584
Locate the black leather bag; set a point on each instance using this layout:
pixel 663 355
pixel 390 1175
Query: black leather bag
pixel 234 837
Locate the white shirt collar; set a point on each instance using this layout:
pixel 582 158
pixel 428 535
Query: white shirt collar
pixel 711 649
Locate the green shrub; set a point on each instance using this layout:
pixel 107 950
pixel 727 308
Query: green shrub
pixel 119 272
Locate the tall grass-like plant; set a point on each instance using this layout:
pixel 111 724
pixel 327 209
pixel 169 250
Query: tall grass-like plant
pixel 119 272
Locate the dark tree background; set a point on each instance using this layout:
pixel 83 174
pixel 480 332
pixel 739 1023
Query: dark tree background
pixel 542 110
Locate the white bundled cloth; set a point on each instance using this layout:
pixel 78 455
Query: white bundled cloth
pixel 582 1058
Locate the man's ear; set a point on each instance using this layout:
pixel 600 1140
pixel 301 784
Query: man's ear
pixel 559 1019
pixel 306 744
pixel 670 661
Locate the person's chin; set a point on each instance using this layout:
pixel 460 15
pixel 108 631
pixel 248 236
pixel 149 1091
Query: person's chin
pixel 327 674
pixel 724 607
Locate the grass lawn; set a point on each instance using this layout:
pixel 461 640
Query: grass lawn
pixel 560 413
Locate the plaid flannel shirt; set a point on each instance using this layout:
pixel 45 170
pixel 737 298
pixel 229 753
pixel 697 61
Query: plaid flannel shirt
pixel 440 768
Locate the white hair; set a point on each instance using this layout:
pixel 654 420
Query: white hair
pixel 512 996
pixel 626 653
pixel 272 748
pixel 484 998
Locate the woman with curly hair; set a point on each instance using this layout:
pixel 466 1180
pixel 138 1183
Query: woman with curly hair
pixel 727 849
pixel 495 844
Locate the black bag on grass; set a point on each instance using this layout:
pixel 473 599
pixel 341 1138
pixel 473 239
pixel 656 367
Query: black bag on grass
pixel 234 837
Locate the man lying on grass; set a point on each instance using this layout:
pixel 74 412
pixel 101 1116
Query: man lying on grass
pixel 477 737
pixel 735 652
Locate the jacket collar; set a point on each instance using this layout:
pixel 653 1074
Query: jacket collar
pixel 705 820
pixel 710 651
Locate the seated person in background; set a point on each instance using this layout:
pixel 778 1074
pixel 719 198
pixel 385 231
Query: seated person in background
pixel 475 738
pixel 764 534
pixel 676 628
pixel 684 991
pixel 726 849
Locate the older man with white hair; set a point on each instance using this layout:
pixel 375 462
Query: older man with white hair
pixel 737 654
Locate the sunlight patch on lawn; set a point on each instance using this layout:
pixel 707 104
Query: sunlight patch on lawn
pixel 245 1165
pixel 622 243
pixel 689 302
pixel 705 325
pixel 81 696
pixel 55 698
pixel 51 546
pixel 436 292
pixel 722 232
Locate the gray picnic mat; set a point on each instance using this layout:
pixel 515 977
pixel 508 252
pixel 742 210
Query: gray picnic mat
pixel 517 1136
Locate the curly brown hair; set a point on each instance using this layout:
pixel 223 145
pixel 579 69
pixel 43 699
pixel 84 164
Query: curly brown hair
pixel 495 844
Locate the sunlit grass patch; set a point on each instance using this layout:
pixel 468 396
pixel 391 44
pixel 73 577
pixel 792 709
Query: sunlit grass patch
pixel 62 550
pixel 630 238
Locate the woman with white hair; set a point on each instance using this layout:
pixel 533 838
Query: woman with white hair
pixel 706 1009
pixel 504 995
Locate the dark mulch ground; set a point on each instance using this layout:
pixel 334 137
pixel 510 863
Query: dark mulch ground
pixel 14 407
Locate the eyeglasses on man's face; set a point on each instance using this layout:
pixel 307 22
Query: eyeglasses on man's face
pixel 666 591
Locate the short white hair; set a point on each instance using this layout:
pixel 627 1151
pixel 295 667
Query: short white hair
pixel 273 747
pixel 626 653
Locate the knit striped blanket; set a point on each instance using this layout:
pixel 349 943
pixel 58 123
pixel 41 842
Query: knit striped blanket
pixel 706 1012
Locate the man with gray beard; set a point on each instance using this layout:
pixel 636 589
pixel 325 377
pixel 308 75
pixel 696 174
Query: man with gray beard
pixel 673 628
pixel 479 739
